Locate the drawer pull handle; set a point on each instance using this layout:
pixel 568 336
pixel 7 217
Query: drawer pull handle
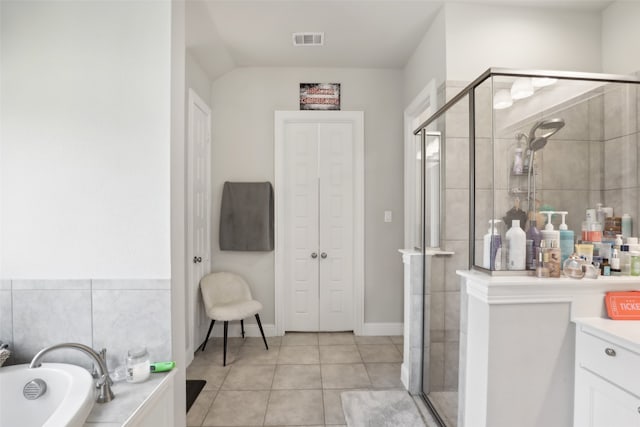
pixel 610 352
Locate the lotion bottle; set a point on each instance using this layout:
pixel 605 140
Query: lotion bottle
pixel 566 239
pixel 516 238
pixel 618 242
pixel 549 234
pixel 492 243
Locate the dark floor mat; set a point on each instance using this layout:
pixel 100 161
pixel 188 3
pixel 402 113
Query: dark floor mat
pixel 194 387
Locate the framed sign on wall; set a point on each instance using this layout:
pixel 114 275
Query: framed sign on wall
pixel 319 96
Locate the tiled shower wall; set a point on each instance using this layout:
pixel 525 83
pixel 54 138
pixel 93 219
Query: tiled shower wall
pixel 622 151
pixel 114 314
pixel 444 307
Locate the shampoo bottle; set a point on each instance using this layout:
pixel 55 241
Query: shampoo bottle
pixel 516 238
pixel 534 235
pixel 492 244
pixel 517 162
pixel 566 239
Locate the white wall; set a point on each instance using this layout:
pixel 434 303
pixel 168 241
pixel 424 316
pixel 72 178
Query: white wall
pixel 197 79
pixel 428 61
pixel 481 36
pixel 178 209
pixel 243 103
pixel 85 140
pixel 620 37
pixel 203 41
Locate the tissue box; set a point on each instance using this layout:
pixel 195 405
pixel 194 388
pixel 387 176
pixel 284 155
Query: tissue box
pixel 623 305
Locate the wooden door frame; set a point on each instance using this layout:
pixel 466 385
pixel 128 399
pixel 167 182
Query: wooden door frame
pixel 191 292
pixel 357 119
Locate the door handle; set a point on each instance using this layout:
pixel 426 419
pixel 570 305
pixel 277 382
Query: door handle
pixel 323 255
pixel 314 255
pixel 197 259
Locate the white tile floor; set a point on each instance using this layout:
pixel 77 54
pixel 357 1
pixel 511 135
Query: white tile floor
pixel 298 381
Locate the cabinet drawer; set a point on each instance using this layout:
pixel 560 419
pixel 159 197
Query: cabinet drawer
pixel 608 360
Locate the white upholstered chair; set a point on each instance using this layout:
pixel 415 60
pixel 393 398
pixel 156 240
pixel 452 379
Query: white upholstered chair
pixel 227 297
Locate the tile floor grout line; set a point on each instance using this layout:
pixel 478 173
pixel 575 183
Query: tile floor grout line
pixel 324 410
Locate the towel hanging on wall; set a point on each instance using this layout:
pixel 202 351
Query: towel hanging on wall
pixel 246 217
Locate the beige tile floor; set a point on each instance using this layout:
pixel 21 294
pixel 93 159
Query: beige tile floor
pixel 297 382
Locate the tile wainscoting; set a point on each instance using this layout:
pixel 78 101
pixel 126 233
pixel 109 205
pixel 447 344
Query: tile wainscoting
pixel 114 314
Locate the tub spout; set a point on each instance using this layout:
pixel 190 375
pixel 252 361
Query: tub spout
pixel 104 382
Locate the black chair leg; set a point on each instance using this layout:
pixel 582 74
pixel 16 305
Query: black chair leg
pixel 224 359
pixel 261 331
pixel 204 344
pixel 242 326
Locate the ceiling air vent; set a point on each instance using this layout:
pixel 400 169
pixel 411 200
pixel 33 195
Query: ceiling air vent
pixel 308 39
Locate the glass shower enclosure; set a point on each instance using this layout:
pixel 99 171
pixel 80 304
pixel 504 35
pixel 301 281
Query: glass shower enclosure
pixel 516 148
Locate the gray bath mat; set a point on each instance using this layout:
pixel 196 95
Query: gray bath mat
pixel 384 408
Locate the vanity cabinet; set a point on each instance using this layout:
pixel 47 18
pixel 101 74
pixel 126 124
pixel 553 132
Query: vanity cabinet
pixel 607 378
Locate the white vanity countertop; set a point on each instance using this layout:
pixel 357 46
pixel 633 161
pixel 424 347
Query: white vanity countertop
pixel 490 287
pixel 507 280
pixel 129 397
pixel 624 332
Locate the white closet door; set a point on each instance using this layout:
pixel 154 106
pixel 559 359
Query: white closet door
pixel 301 211
pixel 198 216
pixel 335 159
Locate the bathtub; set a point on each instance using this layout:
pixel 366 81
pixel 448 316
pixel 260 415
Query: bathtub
pixel 68 399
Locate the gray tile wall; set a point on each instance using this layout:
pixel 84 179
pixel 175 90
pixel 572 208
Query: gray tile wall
pixel 115 314
pixel 621 181
pixel 443 283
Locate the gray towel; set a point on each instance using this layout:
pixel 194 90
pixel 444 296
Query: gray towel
pixel 246 216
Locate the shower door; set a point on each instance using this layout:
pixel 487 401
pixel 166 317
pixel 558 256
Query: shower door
pixel 440 330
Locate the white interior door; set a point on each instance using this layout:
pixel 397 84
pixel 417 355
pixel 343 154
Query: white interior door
pixel 319 226
pixel 335 160
pixel 198 215
pixel 301 209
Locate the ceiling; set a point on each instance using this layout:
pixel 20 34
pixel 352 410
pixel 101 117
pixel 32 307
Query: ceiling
pixel 223 34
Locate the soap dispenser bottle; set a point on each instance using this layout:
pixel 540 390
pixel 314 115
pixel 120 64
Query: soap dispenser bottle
pixel 492 244
pixel 549 234
pixel 566 239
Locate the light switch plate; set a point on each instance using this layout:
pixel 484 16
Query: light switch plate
pixel 388 217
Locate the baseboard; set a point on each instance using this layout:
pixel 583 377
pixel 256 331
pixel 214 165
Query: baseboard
pixel 250 330
pixel 374 329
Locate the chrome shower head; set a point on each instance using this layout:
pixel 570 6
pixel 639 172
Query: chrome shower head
pixel 548 128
